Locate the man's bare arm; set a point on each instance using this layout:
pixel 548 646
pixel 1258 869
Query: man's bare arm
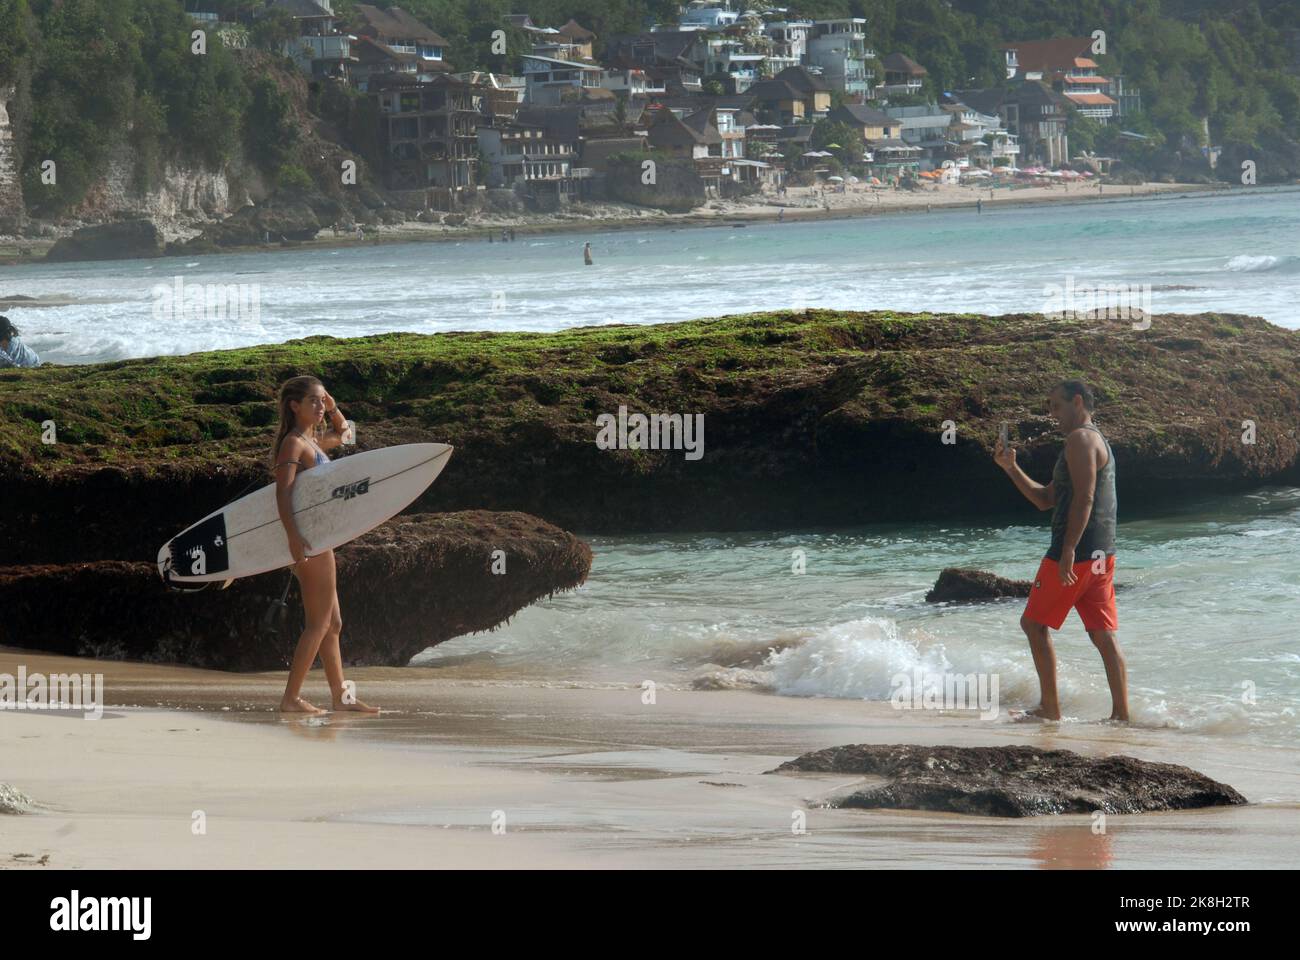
pixel 1042 497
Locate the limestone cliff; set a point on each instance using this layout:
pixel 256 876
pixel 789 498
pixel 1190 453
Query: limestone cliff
pixel 11 197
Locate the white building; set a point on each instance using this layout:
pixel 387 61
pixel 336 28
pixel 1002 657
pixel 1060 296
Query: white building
pixel 630 81
pixel 547 79
pixel 839 48
pixel 697 17
pixel 789 43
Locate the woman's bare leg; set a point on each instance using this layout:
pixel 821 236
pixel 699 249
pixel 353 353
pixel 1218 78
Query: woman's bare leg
pixel 332 658
pixel 316 580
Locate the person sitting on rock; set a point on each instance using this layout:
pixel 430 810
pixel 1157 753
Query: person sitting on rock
pixel 13 352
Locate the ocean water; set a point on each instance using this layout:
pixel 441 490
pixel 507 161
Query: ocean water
pixel 1211 591
pixel 1234 251
pixel 1208 600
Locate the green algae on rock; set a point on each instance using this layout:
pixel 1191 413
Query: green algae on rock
pixel 818 417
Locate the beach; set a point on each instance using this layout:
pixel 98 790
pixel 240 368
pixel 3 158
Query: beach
pixel 540 728
pixel 799 203
pixel 579 775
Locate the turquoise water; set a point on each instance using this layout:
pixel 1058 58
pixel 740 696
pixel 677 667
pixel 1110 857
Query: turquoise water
pixel 1209 599
pixel 1236 251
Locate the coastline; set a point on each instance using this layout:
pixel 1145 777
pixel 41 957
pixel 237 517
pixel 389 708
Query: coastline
pixel 717 214
pixel 584 776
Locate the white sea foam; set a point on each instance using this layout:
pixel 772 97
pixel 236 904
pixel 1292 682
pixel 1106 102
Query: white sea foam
pixel 1247 263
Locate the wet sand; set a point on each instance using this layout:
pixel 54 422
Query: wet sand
pixel 571 774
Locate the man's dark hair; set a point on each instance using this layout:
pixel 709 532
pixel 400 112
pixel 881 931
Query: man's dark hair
pixel 7 329
pixel 1077 388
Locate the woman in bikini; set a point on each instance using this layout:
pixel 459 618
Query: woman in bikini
pixel 304 405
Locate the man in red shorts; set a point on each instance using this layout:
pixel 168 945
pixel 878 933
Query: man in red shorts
pixel 1079 568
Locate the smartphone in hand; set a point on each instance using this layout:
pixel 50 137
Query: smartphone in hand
pixel 1004 435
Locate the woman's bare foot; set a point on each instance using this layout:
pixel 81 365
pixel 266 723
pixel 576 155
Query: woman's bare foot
pixel 1038 713
pixel 298 705
pixel 356 706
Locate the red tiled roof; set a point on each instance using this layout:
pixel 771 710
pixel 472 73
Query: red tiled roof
pixel 1091 99
pixel 1049 55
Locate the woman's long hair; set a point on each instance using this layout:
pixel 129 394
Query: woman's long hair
pixel 294 388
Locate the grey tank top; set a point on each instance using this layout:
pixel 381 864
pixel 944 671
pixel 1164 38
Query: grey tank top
pixel 1099 534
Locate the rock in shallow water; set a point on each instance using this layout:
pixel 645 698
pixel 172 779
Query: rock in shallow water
pixel 957 584
pixel 124 240
pixel 1014 781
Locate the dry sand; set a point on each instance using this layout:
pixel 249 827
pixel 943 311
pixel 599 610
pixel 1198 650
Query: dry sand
pixel 580 776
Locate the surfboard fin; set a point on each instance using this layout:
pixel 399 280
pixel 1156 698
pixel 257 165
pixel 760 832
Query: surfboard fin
pixel 178 585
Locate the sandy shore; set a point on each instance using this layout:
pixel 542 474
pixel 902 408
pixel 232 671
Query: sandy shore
pixel 799 203
pixel 579 776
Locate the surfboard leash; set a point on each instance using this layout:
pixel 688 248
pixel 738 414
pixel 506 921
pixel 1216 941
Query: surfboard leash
pixel 273 619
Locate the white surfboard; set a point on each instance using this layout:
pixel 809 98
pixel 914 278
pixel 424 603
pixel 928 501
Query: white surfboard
pixel 332 504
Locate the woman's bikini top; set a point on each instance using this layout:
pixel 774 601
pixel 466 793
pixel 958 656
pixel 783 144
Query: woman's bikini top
pixel 320 458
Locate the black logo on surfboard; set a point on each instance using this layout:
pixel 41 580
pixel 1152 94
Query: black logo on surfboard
pixel 201 549
pixel 350 490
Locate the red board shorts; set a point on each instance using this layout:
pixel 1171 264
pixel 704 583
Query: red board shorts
pixel 1092 594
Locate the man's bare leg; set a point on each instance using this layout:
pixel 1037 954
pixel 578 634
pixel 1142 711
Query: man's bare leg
pixel 1107 645
pixel 1040 644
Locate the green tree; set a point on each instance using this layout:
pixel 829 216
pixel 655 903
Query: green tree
pixel 269 131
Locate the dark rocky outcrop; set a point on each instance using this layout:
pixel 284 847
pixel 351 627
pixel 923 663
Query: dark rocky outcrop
pixel 125 240
pixel 407 585
pixel 291 218
pixel 959 585
pixel 1013 781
